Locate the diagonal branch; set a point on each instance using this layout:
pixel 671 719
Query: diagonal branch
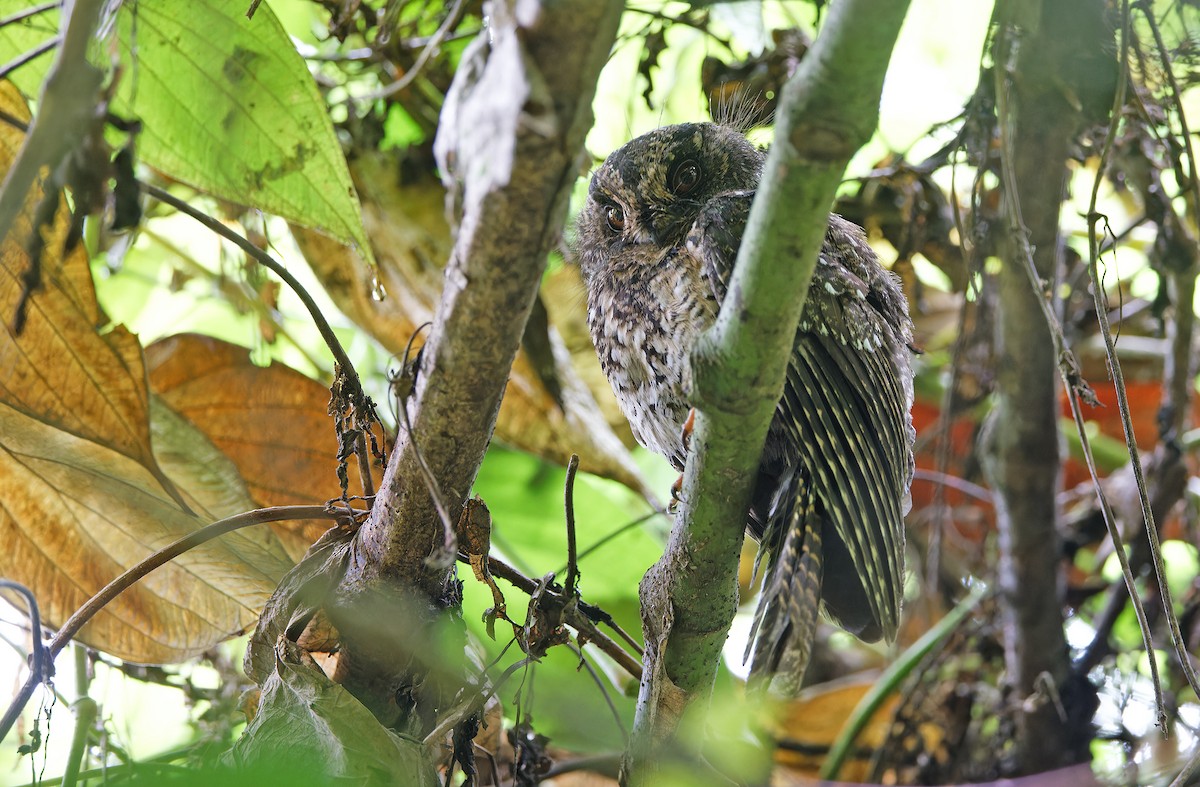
pixel 829 109
pixel 511 138
pixel 65 106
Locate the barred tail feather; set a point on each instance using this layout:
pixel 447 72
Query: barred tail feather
pixel 785 622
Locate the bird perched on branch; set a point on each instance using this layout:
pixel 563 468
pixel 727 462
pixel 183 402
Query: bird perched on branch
pixel 657 241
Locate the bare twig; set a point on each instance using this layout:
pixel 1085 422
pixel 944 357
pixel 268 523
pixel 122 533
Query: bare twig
pixel 364 464
pixel 1110 524
pixel 168 553
pixel 579 618
pixel 41 666
pixel 612 708
pixel 1035 43
pixel 1177 642
pixel 980 493
pixel 267 261
pixel 569 503
pixel 343 362
pixel 430 49
pixel 33 10
pixel 27 57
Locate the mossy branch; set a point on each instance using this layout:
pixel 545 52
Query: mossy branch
pixel 829 109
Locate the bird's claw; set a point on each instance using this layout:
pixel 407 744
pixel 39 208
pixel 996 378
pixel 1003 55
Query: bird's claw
pixel 676 495
pixel 686 432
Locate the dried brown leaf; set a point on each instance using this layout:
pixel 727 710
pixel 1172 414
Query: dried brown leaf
pixel 74 514
pixel 62 369
pixel 813 721
pixel 271 422
pixel 82 495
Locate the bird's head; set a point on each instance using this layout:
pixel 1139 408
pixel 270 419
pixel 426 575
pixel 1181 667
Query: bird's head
pixel 651 190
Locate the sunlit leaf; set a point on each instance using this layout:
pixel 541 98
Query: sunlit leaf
pixel 61 369
pixel 75 514
pixel 228 106
pixel 82 496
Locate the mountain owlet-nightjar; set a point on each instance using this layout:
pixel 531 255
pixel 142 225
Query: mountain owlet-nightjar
pixel 657 241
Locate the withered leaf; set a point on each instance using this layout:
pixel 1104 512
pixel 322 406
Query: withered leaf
pixel 271 422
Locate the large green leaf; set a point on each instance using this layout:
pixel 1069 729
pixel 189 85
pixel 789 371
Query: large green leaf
pixel 229 107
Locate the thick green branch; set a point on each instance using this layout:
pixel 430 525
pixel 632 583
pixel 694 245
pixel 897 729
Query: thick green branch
pixel 828 110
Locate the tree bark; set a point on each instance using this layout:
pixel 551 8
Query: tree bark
pixel 1051 71
pixel 828 110
pixel 510 140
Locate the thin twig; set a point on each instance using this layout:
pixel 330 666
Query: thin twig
pixel 579 617
pixel 364 464
pixel 1114 533
pixel 461 712
pixel 431 482
pixel 42 666
pixel 612 707
pixel 620 531
pixel 412 73
pixel 1189 768
pixel 236 290
pixel 982 494
pixel 1114 365
pixel 266 260
pixel 569 502
pixel 1067 365
pixel 168 553
pixel 604 764
pixel 26 57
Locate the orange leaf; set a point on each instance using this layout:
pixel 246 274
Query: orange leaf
pixel 272 422
pixel 61 369
pixel 814 720
pixel 82 495
pixel 74 514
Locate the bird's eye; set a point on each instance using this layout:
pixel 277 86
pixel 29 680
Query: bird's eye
pixel 615 218
pixel 685 178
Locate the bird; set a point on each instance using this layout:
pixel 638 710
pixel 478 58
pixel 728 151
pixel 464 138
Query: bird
pixel 656 242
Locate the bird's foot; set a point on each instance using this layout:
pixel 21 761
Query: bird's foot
pixel 685 435
pixel 676 495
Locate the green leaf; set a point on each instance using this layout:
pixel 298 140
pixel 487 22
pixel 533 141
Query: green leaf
pixel 229 106
pixel 23 36
pixel 319 733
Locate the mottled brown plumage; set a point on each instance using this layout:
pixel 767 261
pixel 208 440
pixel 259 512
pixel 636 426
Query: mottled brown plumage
pixel 657 241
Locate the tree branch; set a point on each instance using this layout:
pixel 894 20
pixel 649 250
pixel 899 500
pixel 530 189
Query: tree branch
pixel 65 109
pixel 511 136
pixel 829 109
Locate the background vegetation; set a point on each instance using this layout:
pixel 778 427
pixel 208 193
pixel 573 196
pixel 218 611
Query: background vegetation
pixel 155 376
